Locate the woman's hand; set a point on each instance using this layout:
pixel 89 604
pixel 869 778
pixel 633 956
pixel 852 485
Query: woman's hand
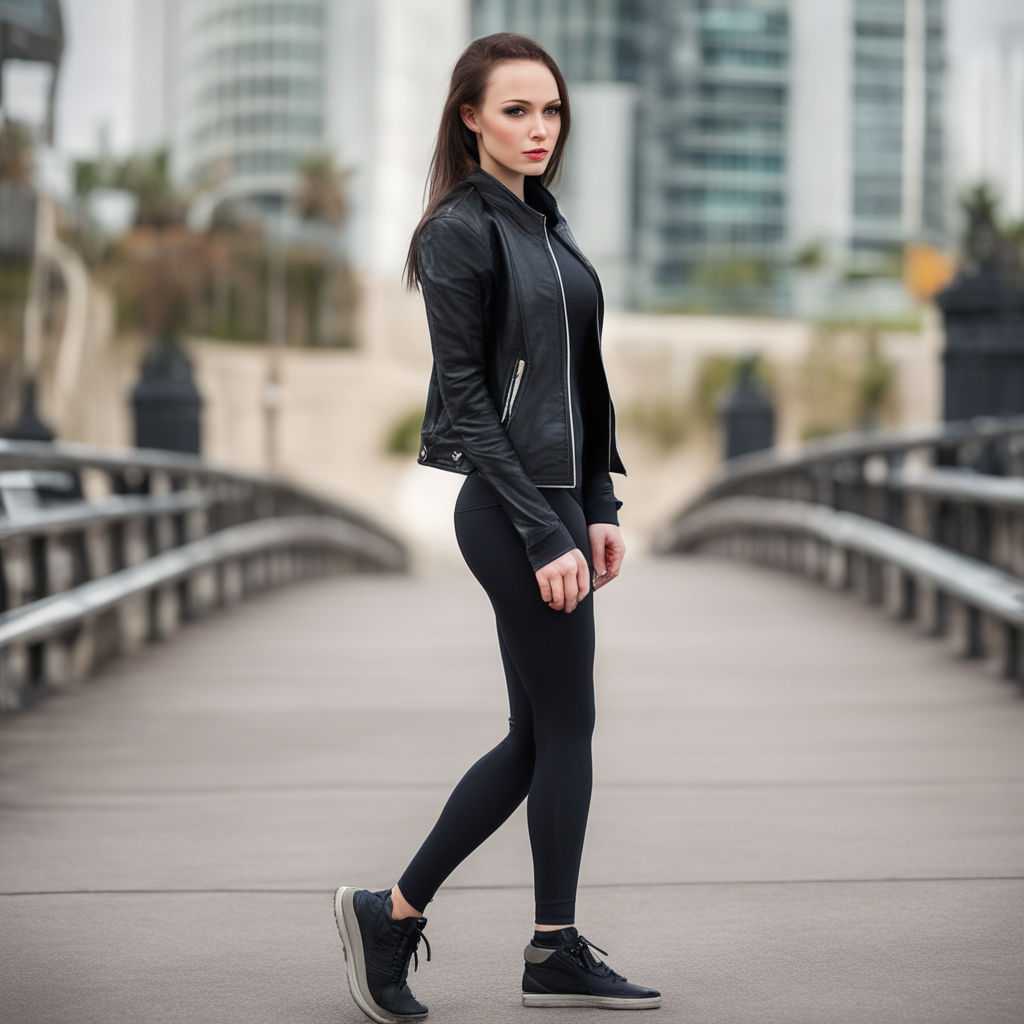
pixel 607 549
pixel 565 581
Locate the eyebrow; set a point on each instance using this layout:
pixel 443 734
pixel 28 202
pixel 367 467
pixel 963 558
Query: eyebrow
pixel 557 99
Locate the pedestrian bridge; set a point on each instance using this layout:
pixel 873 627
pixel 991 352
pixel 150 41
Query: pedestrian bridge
pixel 807 805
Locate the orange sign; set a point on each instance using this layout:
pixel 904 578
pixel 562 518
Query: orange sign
pixel 926 269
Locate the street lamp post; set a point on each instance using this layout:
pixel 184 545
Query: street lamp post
pixel 200 217
pixel 277 327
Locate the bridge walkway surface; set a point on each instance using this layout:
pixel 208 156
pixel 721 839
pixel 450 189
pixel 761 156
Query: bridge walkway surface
pixel 803 811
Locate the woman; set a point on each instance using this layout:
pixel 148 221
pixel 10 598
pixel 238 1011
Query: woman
pixel 519 403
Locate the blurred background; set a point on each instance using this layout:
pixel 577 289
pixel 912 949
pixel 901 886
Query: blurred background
pixel 808 219
pixel 212 200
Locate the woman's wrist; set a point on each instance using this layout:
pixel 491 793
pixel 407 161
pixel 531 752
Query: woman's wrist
pixel 553 545
pixel 602 512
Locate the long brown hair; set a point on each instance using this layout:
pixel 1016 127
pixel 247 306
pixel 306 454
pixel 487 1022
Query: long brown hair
pixel 456 155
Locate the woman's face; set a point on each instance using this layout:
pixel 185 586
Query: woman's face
pixel 518 121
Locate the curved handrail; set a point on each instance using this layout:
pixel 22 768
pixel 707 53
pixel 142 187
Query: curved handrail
pixel 113 509
pixel 965 578
pixel 46 618
pixel 174 530
pixel 937 519
pixel 73 455
pixel 853 445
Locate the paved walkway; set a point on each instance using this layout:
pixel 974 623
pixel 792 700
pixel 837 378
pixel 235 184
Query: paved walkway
pixel 802 811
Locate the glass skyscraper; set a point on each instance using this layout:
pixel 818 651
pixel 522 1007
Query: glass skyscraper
pixel 897 147
pixel 714 172
pixel 706 132
pixel 252 94
pixel 756 128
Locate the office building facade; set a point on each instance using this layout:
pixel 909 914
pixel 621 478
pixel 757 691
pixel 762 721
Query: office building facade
pixel 702 133
pixel 240 91
pixel 756 128
pixel 990 122
pixel 251 96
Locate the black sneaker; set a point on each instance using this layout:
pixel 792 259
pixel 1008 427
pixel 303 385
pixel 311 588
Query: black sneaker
pixel 570 975
pixel 377 951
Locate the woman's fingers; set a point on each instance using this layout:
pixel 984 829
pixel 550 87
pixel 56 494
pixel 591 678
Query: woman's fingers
pixel 613 557
pixel 565 581
pixel 571 589
pixel 582 574
pixel 598 539
pixel 557 593
pixel 608 550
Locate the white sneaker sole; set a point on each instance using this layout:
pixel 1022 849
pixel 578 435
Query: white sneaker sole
pixel 604 1002
pixel 355 961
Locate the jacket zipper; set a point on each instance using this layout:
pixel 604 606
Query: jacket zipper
pixel 513 388
pixel 568 377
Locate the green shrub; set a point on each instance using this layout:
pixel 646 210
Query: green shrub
pixel 717 374
pixel 815 430
pixel 404 436
pixel 663 420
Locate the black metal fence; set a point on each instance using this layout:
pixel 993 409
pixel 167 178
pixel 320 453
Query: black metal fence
pixel 104 549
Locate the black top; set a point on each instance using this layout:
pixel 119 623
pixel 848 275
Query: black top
pixel 581 312
pixel 581 309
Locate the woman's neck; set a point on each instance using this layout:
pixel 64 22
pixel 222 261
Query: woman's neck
pixel 512 180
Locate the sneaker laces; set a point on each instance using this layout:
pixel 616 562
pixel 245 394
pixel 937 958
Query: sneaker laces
pixel 580 949
pixel 406 947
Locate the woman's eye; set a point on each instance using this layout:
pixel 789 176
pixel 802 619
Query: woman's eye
pixel 519 110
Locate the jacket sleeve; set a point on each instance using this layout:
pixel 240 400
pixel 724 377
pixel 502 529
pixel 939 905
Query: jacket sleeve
pixel 599 502
pixel 454 264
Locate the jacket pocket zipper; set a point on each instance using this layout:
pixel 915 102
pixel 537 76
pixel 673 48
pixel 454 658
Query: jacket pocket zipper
pixel 513 389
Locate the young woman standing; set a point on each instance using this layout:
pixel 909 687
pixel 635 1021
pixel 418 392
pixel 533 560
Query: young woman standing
pixel 519 403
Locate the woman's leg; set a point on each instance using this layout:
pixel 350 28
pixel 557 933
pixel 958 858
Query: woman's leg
pixel 439 856
pixel 553 653
pixel 548 658
pixel 498 782
pixel 492 788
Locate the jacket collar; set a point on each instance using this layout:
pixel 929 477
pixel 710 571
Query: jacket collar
pixel 528 215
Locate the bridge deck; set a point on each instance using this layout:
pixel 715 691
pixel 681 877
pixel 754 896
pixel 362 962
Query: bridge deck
pixel 802 811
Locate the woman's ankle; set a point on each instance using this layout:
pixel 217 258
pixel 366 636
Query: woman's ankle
pixel 401 908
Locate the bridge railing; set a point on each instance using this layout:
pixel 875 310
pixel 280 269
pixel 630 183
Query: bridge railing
pixel 103 549
pixel 928 522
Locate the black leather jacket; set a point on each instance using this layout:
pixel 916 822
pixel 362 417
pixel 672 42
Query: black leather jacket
pixel 498 398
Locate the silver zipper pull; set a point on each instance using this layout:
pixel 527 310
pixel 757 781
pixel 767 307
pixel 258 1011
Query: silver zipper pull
pixel 515 384
pixel 513 389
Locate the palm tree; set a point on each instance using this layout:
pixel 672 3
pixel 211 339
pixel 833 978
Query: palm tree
pixel 320 195
pixel 810 256
pixel 986 242
pixel 320 198
pixel 149 178
pixel 979 204
pixel 15 152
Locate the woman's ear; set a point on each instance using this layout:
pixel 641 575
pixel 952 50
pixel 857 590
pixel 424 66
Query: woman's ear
pixel 468 114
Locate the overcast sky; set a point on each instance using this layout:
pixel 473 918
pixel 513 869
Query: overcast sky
pixel 95 88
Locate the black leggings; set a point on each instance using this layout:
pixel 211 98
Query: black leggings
pixel 548 658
